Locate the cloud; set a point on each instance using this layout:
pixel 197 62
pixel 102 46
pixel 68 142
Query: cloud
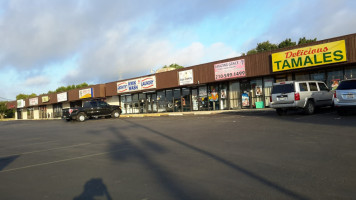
pixel 37 81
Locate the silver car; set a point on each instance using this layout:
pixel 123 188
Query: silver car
pixel 304 95
pixel 345 96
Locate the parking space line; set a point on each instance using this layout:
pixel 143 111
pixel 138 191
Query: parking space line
pixel 34 144
pixel 59 161
pixel 30 152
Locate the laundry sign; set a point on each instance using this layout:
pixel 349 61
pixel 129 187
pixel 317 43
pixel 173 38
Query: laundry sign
pixel 136 84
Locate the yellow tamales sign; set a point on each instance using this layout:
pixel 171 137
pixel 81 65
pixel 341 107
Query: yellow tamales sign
pixel 321 54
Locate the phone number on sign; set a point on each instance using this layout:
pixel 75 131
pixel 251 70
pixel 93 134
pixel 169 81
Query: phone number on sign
pixel 230 75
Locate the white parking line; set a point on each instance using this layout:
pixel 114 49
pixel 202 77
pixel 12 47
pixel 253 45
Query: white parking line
pixel 30 152
pixel 59 161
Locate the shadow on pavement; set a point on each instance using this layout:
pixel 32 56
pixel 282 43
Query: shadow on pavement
pixel 92 189
pixel 6 161
pixel 163 177
pixel 177 190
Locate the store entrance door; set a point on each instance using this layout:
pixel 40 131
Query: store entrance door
pixel 151 103
pixel 246 94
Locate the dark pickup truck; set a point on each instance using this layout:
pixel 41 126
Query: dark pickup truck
pixel 91 109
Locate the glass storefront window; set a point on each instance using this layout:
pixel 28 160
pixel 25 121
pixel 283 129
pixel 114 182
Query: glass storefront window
pixel 256 93
pixel 142 102
pixel 318 76
pixel 214 97
pixel 245 93
pixel 30 113
pixel 169 100
pixel 43 112
pixel 57 110
pixel 234 95
pixel 203 98
pixel 177 100
pixel 195 102
pixel 186 99
pixel 223 96
pixel 302 76
pixel 135 104
pixel 334 77
pixel 267 89
pixel 350 72
pixel 128 104
pixel 161 100
pixel 123 104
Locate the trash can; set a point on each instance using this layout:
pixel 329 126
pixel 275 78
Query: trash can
pixel 260 104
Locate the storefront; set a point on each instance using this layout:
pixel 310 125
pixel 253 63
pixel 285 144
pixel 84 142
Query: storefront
pixel 243 82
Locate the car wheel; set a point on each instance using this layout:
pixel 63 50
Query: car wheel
pixel 67 120
pixel 309 108
pixel 115 114
pixel 81 117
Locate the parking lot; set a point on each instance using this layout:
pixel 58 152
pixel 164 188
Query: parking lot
pixel 234 155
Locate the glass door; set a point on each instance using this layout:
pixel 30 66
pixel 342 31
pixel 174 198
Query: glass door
pixel 195 99
pixel 177 100
pixel 186 99
pixel 245 94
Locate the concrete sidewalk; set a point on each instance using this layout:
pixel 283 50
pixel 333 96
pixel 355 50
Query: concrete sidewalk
pixel 195 113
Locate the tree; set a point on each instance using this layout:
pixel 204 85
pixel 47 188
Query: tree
pixel 174 65
pixel 3 109
pixel 286 43
pixel 265 46
pixel 303 40
pixel 252 51
pixel 25 96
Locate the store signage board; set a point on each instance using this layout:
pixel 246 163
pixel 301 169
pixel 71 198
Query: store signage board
pixel 21 103
pixel 86 93
pixel 228 70
pixel 186 77
pixel 62 97
pixel 322 54
pixel 33 101
pixel 45 99
pixel 136 84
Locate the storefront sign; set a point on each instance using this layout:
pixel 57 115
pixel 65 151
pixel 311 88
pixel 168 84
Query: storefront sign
pixel 86 93
pixel 45 99
pixel 185 77
pixel 321 54
pixel 232 69
pixel 148 82
pixel 33 101
pixel 21 103
pixel 62 97
pixel 136 84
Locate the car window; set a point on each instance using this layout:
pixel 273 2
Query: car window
pixel 313 87
pixel 87 104
pixel 93 104
pixel 283 88
pixel 347 85
pixel 102 103
pixel 303 87
pixel 323 87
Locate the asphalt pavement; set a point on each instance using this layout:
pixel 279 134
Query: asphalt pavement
pixel 229 155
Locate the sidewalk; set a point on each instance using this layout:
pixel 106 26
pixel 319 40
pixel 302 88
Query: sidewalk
pixel 194 113
pixel 173 113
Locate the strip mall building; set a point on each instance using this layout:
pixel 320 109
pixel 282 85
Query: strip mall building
pixel 243 82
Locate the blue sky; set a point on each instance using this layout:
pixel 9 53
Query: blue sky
pixel 48 44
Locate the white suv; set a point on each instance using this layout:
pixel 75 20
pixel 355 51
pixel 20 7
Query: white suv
pixel 304 95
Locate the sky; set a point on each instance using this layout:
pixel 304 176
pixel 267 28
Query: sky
pixel 45 44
